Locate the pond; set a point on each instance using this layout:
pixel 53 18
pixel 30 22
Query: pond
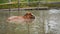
pixel 46 22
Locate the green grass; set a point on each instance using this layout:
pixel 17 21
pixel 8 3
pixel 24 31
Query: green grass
pixel 3 1
pixel 6 1
pixel 21 5
pixel 53 0
pixel 51 5
pixel 24 5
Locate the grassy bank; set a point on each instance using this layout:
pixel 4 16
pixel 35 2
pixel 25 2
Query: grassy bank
pixel 15 4
pixel 21 5
pixel 25 5
pixel 52 5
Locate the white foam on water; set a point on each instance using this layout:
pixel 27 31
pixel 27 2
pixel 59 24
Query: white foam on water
pixel 51 11
pixel 53 21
